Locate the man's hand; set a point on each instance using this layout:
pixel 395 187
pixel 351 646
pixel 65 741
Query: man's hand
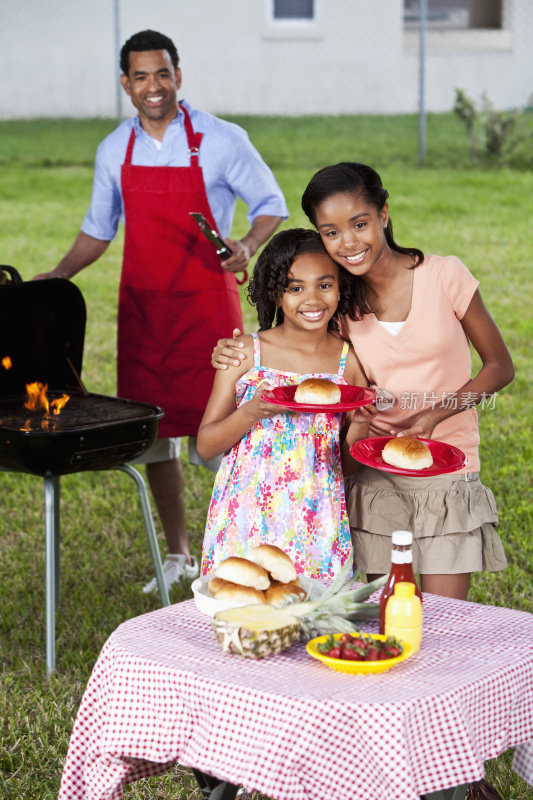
pixel 243 249
pixel 43 276
pixel 83 252
pixel 240 256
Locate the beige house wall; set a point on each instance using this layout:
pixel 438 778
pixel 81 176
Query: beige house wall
pixel 357 56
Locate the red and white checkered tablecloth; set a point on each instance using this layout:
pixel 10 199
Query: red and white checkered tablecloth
pixel 163 691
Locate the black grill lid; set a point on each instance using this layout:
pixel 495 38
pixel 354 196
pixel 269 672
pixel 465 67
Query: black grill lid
pixel 42 326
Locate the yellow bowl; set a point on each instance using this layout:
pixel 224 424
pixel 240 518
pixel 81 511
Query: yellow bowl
pixel 355 667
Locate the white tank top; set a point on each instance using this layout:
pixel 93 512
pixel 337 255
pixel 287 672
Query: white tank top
pixel 393 328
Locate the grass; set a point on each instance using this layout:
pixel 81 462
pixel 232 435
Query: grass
pixel 448 206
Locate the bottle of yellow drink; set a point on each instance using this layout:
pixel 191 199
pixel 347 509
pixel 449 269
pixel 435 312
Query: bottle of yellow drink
pixel 403 615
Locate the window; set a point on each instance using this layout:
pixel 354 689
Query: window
pixel 459 26
pixel 292 21
pixel 293 9
pixel 457 14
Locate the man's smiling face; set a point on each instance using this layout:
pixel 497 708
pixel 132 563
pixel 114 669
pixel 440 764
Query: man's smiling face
pixel 152 83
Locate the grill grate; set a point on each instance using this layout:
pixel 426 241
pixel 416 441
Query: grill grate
pixel 77 414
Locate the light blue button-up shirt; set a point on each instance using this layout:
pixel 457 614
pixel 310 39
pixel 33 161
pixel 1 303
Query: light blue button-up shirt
pixel 231 166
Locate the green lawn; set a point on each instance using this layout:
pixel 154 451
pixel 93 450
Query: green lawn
pixel 481 215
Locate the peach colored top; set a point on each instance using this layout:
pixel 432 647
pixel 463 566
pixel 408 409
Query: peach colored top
pixel 429 360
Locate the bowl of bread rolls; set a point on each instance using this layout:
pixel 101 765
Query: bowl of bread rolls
pixel 264 576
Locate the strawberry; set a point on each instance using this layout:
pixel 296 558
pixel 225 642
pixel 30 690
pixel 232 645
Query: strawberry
pixel 326 646
pixel 351 654
pixel 372 654
pixel 392 652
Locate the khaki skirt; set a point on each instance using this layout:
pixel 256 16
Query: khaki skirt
pixel 452 518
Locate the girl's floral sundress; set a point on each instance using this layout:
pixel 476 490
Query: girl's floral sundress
pixel 282 484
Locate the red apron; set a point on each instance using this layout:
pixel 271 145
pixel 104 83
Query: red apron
pixel 175 299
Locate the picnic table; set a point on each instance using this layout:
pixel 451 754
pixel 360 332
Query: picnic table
pixel 162 691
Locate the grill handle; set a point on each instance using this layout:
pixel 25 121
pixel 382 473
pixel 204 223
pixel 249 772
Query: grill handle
pixel 15 276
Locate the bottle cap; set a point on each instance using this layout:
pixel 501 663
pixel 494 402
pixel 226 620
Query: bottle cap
pixel 404 589
pixel 402 537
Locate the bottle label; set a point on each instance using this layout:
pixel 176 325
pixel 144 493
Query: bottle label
pixel 402 557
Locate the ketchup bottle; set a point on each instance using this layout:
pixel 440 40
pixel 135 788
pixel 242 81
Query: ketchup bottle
pixel 401 570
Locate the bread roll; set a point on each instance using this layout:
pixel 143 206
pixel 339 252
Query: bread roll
pixel 274 560
pixel 277 593
pixel 244 572
pixel 407 452
pixel 240 594
pixel 215 584
pixel 317 390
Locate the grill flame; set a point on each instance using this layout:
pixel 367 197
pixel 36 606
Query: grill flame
pixel 59 403
pixel 6 362
pixel 37 399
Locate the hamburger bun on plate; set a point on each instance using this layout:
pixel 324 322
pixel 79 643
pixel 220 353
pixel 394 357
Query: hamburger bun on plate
pixel 319 391
pixel 407 452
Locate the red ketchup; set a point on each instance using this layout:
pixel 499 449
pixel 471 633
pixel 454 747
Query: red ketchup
pixel 401 570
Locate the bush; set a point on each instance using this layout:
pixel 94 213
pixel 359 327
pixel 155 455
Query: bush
pixel 497 137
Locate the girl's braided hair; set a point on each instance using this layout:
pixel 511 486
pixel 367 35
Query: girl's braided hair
pixel 270 280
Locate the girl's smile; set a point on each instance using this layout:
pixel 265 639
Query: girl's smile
pixel 353 232
pixel 313 316
pixel 312 291
pixel 358 258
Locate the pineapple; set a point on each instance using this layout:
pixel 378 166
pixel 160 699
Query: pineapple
pixel 259 631
pixel 256 631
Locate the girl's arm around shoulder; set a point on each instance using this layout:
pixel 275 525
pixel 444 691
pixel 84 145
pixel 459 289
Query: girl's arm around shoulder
pixel 223 424
pixel 228 352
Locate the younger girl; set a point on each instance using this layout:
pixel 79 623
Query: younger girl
pixel 411 319
pixel 280 481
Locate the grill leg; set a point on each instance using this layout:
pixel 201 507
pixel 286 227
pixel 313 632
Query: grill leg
pixel 51 517
pixel 150 531
pixel 213 788
pixel 57 537
pixel 457 793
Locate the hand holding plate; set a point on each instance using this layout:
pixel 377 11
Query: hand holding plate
pixel 351 397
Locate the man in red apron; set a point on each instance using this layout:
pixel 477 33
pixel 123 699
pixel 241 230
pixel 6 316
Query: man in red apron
pixel 177 298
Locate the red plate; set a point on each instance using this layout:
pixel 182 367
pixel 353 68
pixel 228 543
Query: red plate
pixel 446 458
pixel 351 397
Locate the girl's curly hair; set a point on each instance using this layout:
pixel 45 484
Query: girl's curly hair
pixel 270 280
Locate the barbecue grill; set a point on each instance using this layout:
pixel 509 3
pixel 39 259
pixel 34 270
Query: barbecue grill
pixel 42 331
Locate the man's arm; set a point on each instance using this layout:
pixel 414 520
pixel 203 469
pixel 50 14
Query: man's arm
pixel 262 229
pixel 83 252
